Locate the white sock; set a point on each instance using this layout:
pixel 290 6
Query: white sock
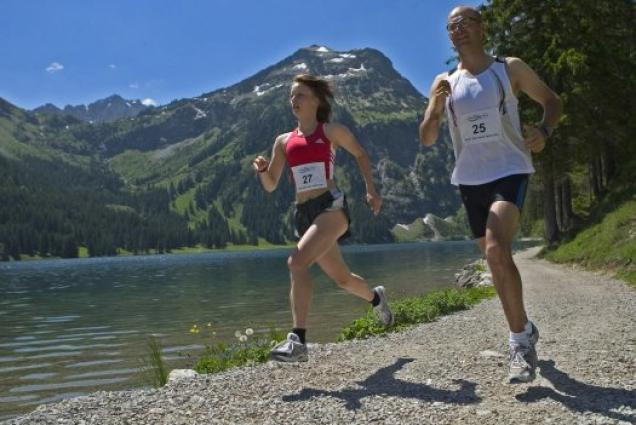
pixel 521 338
pixel 528 328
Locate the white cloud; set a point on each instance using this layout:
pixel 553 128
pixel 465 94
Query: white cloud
pixel 134 85
pixel 54 67
pixel 149 102
pixel 112 66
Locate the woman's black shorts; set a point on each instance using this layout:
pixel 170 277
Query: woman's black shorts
pixel 478 198
pixel 307 212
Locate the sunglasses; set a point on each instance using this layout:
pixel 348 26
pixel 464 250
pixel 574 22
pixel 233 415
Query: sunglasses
pixel 460 22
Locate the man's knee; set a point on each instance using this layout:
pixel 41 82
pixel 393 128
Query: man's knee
pixel 497 254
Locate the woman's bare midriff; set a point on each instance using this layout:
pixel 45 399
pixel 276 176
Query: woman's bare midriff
pixel 314 193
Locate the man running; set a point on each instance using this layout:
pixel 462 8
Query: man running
pixel 493 160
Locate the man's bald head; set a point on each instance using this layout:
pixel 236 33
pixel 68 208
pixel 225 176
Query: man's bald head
pixel 464 11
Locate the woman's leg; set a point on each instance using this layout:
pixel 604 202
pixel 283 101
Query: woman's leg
pixel 334 266
pixel 321 236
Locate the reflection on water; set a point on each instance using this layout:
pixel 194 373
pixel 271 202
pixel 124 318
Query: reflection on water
pixel 69 327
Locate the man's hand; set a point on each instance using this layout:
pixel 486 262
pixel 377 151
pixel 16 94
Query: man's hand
pixel 441 91
pixel 535 139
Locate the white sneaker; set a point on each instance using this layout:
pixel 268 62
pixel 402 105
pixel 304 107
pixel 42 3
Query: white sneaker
pixel 382 310
pixel 524 360
pixel 290 350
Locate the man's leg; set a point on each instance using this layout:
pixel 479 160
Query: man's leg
pixel 503 220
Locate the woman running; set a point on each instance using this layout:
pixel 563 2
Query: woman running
pixel 321 218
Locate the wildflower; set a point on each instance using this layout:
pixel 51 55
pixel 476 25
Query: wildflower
pixel 209 324
pixel 249 331
pixel 237 334
pixel 243 338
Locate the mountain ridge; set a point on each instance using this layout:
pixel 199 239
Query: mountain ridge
pixel 193 155
pixel 109 109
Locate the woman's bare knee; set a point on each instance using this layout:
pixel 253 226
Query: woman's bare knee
pixel 296 264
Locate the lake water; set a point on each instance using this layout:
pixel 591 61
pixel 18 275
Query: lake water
pixel 70 327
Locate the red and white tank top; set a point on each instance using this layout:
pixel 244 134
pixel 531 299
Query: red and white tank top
pixel 311 159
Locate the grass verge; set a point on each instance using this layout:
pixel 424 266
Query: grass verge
pixel 408 312
pixel 411 311
pixel 607 245
pixel 222 356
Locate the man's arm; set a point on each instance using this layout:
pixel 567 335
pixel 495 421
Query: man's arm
pixel 524 79
pixel 429 128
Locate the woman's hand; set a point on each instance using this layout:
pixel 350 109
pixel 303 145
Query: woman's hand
pixel 375 202
pixel 260 164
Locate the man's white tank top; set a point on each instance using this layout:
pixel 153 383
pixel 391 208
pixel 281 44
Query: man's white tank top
pixel 483 119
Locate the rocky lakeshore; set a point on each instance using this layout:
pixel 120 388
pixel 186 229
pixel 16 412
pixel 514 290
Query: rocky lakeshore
pixel 446 372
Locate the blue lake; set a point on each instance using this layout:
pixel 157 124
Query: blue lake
pixel 70 327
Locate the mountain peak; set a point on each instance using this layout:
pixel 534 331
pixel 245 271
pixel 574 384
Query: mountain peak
pixel 109 109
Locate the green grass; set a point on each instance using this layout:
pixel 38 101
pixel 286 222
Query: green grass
pixel 411 311
pixel 154 370
pixel 221 356
pixel 253 350
pixel 607 245
pixel 262 244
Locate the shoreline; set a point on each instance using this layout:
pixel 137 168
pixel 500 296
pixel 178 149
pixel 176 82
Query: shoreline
pixel 233 249
pixel 447 371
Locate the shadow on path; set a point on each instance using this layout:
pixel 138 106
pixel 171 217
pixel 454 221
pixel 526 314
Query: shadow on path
pixel 383 383
pixel 581 397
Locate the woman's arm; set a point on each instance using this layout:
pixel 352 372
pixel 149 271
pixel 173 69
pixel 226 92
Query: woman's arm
pixel 269 172
pixel 341 136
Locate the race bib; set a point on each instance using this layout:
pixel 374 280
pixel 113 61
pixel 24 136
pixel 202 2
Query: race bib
pixel 481 126
pixel 309 176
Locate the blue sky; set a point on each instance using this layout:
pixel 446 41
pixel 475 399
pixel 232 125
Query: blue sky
pixel 78 51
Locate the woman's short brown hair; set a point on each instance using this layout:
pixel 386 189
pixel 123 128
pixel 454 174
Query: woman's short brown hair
pixel 322 90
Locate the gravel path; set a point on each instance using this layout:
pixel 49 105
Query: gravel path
pixel 448 372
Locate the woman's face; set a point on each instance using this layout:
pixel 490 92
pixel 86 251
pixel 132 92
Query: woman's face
pixel 303 101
